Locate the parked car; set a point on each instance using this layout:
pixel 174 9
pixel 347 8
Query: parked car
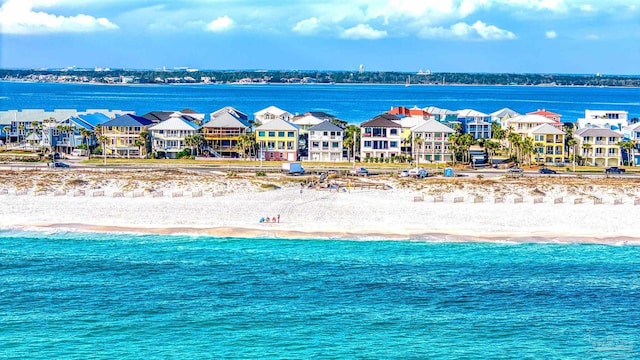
pixel 404 173
pixel 419 173
pixel 614 170
pixel 359 172
pixel 58 164
pixel 546 171
pixel 515 170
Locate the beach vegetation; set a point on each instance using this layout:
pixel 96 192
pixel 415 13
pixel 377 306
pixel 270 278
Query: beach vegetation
pixel 261 173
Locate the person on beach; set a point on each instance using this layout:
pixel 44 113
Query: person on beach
pixel 278 217
pixel 267 219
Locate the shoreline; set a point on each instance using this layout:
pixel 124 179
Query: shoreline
pixel 275 233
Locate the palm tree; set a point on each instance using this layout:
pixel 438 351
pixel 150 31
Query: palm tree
pixel 139 143
pixel 571 144
pixel 586 149
pixel 491 147
pixel 198 141
pixel 243 144
pixel 102 139
pixel 527 149
pixel 351 140
pixel 144 137
pixel 6 134
pixel 419 141
pixel 628 146
pixel 537 151
pixel 20 130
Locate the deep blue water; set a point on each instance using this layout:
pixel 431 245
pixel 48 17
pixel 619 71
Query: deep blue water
pixel 106 296
pixel 352 103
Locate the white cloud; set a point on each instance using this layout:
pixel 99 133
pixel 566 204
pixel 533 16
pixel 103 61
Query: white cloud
pixel 592 37
pixel 550 34
pixel 306 26
pixel 363 31
pixel 461 30
pixel 19 17
pixel 220 24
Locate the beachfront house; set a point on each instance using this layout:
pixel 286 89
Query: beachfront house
pixel 475 123
pixel 548 142
pixel 431 142
pixel 75 131
pixel 415 117
pixel 632 133
pixel 168 136
pixel 121 136
pixel 599 147
pixel 607 119
pixel 325 142
pixel 271 113
pixel 277 140
pixel 222 133
pixel 381 137
pixel 548 114
pixel 444 116
pixel 503 115
pixel 521 124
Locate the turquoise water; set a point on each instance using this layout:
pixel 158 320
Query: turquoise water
pixel 105 296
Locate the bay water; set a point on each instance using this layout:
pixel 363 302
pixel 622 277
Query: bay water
pixel 352 103
pixel 76 295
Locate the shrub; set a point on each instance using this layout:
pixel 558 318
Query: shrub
pixel 261 173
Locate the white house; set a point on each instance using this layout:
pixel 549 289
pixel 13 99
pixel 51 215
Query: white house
pixel 381 137
pixel 606 119
pixel 168 136
pixel 325 142
pixel 431 141
pixel 271 113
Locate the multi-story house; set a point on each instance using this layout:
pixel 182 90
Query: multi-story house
pixel 380 137
pixel 168 137
pixel 229 109
pixel 599 147
pixel 222 132
pixel 277 140
pixel 75 131
pixel 502 115
pixel 632 133
pixel 431 142
pixel 548 142
pixel 608 119
pixel 159 116
pixel 475 123
pixel 325 142
pixel 271 113
pixel 521 124
pixel 310 119
pixel 121 134
pixel 548 114
pixel 444 116
pixel 410 112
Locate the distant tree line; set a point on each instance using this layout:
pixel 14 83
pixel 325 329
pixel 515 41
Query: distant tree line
pixel 323 77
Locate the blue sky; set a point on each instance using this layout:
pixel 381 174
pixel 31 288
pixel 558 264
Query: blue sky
pixel 536 36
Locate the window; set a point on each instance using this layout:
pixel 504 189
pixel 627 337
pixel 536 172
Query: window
pixel 290 134
pixel 280 133
pixel 393 131
pixel 335 145
pixel 315 144
pixel 394 144
pixel 325 144
pixel 260 133
pixel 367 143
pixel 325 133
pixel 272 133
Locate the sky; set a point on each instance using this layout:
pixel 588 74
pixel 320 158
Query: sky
pixel 493 36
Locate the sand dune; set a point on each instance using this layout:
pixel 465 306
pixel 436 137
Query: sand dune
pixel 435 209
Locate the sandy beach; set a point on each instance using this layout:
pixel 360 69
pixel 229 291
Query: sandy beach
pixel 528 209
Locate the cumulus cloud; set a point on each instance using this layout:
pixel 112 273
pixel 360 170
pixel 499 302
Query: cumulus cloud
pixel 461 30
pixel 19 17
pixel 220 24
pixel 306 26
pixel 363 31
pixel 550 34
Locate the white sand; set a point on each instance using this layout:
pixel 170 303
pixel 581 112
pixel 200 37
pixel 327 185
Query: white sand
pixel 233 207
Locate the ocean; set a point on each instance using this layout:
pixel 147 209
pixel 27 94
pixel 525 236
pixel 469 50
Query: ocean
pixel 74 295
pixel 352 103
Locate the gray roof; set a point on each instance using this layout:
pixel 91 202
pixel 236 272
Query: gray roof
pixel 326 126
pixel 597 132
pixel 433 126
pixel 226 120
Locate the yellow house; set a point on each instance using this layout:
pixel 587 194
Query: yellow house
pixel 548 143
pixel 278 140
pixel 121 134
pixel 223 132
pixel 599 147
